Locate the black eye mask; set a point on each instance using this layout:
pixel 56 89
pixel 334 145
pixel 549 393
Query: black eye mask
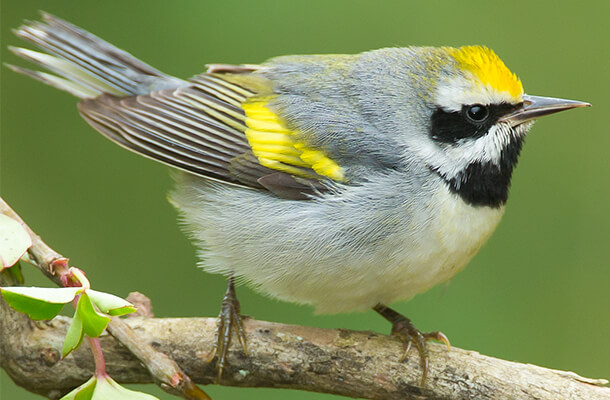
pixel 472 121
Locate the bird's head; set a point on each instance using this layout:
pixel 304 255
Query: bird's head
pixel 477 115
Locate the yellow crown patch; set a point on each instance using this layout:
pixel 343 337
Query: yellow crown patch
pixel 488 68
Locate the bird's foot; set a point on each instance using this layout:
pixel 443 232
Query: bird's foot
pixel 403 328
pixel 229 321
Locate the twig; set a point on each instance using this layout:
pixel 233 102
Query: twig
pixel 41 255
pixel 165 371
pixel 354 364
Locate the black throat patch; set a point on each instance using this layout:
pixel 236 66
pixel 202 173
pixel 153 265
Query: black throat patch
pixel 487 184
pixel 481 183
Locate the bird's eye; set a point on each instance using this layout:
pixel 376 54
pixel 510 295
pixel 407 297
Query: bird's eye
pixel 476 113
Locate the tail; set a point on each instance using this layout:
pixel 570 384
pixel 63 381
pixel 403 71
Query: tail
pixel 85 65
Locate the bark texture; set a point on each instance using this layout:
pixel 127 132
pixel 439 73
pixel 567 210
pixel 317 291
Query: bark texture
pixel 343 362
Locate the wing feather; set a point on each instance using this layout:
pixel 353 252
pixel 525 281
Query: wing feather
pixel 233 90
pixel 105 124
pixel 202 123
pixel 182 129
pixel 222 93
pixel 139 129
pixel 201 128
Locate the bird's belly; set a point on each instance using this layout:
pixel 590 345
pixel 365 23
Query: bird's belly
pixel 405 264
pixel 291 252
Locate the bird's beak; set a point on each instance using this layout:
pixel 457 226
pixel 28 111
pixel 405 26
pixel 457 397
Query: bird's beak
pixel 537 106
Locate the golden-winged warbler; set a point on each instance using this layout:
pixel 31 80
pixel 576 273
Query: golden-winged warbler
pixel 343 181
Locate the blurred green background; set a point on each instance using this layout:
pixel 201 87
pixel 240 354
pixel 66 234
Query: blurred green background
pixel 538 292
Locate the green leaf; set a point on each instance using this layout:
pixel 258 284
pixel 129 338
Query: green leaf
pixel 74 336
pixel 83 392
pixel 15 271
pixel 14 241
pixel 94 322
pixel 39 303
pixel 48 295
pixel 110 304
pixel 108 389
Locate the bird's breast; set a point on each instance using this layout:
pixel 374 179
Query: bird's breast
pixel 457 231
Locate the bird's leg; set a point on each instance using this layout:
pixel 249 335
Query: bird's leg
pixel 229 320
pixel 409 334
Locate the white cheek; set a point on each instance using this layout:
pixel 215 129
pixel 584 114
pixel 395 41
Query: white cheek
pixel 486 149
pixel 450 160
pixel 447 161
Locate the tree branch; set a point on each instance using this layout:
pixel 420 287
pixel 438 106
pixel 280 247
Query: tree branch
pixel 348 363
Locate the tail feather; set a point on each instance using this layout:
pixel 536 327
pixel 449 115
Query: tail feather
pixel 86 65
pixel 71 87
pixel 77 80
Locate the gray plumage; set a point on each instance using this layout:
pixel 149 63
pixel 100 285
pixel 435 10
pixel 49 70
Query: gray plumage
pixel 397 223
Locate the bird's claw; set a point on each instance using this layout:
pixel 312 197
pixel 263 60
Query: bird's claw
pixel 403 328
pixel 410 335
pixel 229 320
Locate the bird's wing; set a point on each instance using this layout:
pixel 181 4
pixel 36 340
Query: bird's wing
pixel 217 127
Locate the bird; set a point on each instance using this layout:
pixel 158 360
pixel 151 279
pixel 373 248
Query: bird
pixel 346 182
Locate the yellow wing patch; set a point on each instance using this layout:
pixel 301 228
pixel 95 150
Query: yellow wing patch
pixel 488 68
pixel 277 147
